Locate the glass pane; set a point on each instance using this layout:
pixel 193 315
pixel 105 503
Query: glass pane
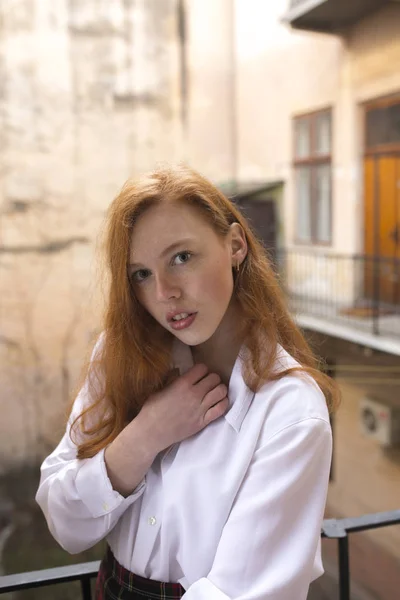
pixel 323 197
pixel 302 138
pixel 303 198
pixel 383 125
pixel 394 123
pixel 323 133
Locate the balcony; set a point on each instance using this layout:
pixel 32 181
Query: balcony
pixel 353 297
pixel 330 16
pixel 85 573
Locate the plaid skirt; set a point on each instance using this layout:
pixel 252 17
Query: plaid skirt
pixel 114 582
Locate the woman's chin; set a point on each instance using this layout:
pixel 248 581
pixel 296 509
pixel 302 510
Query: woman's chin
pixel 193 337
pixel 190 338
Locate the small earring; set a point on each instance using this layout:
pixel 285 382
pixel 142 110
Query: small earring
pixel 237 266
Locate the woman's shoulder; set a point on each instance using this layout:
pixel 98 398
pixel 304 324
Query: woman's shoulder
pixel 294 398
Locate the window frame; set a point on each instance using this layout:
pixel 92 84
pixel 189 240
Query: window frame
pixel 312 161
pixel 376 103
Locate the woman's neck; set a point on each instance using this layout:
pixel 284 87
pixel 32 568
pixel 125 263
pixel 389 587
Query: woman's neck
pixel 219 353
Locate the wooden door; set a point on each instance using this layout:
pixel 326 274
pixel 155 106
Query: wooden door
pixel 382 227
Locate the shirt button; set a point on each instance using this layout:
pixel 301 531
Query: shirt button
pixel 105 506
pixel 152 521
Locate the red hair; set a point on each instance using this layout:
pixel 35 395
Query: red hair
pixel 134 358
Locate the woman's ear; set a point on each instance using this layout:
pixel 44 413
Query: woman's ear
pixel 238 244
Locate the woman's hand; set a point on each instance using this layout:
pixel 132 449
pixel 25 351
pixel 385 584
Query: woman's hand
pixel 181 409
pixel 184 407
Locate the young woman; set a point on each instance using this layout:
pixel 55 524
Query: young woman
pixel 199 445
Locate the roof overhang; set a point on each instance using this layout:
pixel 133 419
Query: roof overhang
pixel 239 190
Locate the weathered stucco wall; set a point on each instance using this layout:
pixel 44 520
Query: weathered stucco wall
pixel 212 118
pixel 89 95
pixel 92 92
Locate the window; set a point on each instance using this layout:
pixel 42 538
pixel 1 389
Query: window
pixel 383 125
pixel 313 188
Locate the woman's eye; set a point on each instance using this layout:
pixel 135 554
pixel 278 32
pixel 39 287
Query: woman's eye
pixel 182 256
pixel 178 259
pixel 139 275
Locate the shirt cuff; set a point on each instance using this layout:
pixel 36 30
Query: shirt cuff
pixel 95 490
pixel 203 589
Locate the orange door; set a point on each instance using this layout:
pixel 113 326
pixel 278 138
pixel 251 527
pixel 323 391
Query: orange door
pixel 382 227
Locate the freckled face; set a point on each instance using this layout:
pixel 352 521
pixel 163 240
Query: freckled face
pixel 178 263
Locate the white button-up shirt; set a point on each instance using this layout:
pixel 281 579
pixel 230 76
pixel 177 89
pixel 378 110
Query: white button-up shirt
pixel 232 513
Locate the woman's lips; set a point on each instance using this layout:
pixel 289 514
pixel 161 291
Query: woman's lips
pixel 183 323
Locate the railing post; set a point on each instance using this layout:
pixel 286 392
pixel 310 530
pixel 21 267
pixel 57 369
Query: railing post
pixel 335 529
pixel 86 589
pixel 344 568
pixel 376 295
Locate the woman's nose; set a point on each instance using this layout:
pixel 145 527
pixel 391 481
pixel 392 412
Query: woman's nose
pixel 166 288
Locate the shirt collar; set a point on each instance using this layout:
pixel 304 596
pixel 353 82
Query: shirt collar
pixel 240 396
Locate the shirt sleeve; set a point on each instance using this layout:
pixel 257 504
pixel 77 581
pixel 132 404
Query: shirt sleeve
pixel 269 543
pixel 76 496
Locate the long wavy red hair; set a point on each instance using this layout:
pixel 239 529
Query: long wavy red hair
pixel 133 359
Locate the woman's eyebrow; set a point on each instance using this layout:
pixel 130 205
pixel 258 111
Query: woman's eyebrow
pixel 169 249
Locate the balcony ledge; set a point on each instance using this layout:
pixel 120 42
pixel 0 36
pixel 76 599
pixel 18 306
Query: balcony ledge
pixel 330 16
pixel 347 332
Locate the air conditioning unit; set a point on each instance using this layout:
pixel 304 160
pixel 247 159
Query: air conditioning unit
pixel 380 422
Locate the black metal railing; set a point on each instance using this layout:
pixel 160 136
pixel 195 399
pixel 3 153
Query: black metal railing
pixel 83 572
pixel 338 529
pixel 359 291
